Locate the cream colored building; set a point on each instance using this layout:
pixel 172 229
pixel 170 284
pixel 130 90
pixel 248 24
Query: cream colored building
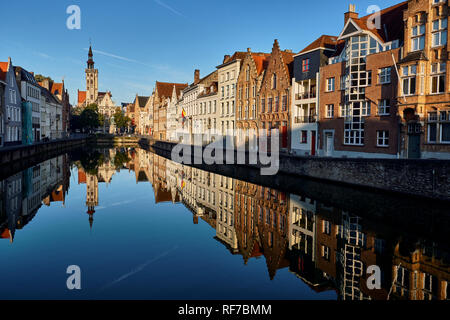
pixel 227 83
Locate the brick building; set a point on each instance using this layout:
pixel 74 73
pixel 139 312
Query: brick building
pixel 248 87
pixel 358 95
pixel 275 93
pixel 424 92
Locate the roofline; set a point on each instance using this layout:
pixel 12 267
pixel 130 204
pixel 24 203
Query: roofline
pixel 227 63
pixel 309 51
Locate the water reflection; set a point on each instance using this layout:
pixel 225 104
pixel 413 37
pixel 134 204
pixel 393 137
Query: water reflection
pixel 327 248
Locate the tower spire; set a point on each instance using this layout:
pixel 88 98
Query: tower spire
pixel 90 62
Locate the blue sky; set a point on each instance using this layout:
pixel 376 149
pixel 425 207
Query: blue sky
pixel 138 42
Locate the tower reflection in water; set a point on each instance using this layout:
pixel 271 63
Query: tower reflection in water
pixel 325 247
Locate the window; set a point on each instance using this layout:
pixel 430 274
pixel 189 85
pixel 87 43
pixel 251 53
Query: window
pixel 439 127
pixel 384 107
pixel 274 81
pixel 326 253
pixel 439 32
pixel 284 103
pixel 263 105
pixel 277 103
pixel 385 75
pixel 269 105
pixel 344 82
pixel 330 111
pixel 330 84
pixel 383 138
pixel 365 108
pixel 345 111
pixel 305 65
pixel 418 38
pixel 326 227
pixel 304 137
pixel 409 80
pixel 247 74
pixel 438 78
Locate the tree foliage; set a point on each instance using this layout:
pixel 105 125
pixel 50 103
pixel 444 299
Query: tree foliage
pixel 121 121
pixel 89 117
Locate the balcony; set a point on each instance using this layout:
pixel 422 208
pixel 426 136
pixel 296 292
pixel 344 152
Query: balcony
pixel 306 119
pixel 304 96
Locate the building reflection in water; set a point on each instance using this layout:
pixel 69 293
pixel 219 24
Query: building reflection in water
pixel 325 247
pixel 22 194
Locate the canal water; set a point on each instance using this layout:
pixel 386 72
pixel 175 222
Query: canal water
pixel 140 226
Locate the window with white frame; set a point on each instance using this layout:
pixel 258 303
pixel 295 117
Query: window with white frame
pixel 382 138
pixel 439 32
pixel 418 37
pixel 438 77
pixel 326 227
pixel 330 84
pixel 439 126
pixel 384 107
pixel 330 110
pixel 409 80
pixel 385 75
pixel 365 108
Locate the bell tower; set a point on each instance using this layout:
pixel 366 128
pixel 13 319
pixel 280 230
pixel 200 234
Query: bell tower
pixel 91 79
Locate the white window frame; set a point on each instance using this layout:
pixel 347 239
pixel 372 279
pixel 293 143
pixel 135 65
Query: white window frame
pixel 439 32
pixel 330 84
pixel 385 75
pixel 329 111
pixel 383 106
pixel 383 136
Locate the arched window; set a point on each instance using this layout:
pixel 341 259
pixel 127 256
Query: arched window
pixel 274 81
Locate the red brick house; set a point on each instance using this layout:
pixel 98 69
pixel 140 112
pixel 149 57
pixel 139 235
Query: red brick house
pixel 274 104
pixel 358 92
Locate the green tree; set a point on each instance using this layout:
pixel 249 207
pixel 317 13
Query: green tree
pixel 40 78
pixel 121 121
pixel 89 117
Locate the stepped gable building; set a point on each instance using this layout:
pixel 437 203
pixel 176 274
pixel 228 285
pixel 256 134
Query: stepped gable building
pixel 140 114
pixel 424 92
pixel 165 92
pixel 249 84
pixel 358 95
pixel 305 94
pixel 274 110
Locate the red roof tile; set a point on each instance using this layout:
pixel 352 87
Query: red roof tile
pixel 328 42
pixel 3 70
pixel 81 97
pixel 165 89
pixel 391 21
pixel 261 61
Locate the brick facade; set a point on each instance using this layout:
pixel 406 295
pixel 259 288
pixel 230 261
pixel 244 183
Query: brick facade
pixel 274 104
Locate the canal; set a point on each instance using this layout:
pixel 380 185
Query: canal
pixel 140 226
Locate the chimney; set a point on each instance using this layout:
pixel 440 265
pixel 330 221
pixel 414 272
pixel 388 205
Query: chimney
pixel 196 76
pixel 351 13
pixel 226 58
pixel 249 50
